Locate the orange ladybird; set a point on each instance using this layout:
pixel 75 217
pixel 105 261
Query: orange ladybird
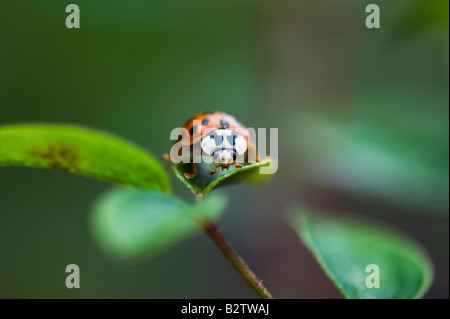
pixel 219 135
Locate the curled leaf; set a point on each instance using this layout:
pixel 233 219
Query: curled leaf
pixel 204 182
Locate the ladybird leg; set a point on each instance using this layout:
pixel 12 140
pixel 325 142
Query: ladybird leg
pixel 166 156
pixel 194 172
pixel 237 165
pixel 215 169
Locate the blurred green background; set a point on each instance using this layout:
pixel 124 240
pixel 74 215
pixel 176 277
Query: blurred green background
pixel 362 117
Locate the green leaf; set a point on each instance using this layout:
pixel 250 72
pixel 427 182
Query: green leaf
pixel 345 246
pixel 81 151
pixel 132 223
pixel 204 182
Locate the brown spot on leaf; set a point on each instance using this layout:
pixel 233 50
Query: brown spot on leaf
pixel 57 157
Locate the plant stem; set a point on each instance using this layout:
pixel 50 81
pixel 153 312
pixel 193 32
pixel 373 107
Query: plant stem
pixel 233 257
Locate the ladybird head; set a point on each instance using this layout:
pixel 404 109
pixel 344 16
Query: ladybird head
pixel 223 145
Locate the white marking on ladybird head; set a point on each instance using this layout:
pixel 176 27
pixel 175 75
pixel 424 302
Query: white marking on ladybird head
pixel 208 144
pixel 240 145
pixel 223 139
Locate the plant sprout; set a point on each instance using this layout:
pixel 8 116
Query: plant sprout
pixel 143 216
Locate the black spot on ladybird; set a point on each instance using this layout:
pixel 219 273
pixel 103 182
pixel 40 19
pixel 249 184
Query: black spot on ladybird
pixel 224 123
pixel 205 122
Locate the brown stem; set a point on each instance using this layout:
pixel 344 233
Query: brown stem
pixel 236 261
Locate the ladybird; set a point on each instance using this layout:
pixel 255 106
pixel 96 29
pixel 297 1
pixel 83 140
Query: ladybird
pixel 221 136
